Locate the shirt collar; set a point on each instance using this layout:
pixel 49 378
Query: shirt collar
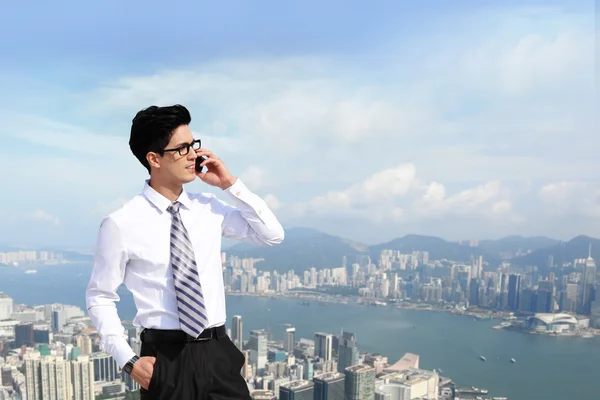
pixel 160 201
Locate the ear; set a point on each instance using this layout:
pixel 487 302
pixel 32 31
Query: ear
pixel 153 159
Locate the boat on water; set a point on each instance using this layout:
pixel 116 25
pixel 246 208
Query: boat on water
pixel 482 358
pixel 512 360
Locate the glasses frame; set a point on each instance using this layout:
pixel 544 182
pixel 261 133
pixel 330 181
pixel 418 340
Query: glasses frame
pixel 185 147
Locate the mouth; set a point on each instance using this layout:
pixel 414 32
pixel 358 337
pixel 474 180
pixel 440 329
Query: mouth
pixel 191 167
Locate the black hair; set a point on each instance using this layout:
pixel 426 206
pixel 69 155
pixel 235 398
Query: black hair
pixel 152 128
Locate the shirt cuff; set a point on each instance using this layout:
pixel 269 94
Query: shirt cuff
pixel 237 189
pixel 122 352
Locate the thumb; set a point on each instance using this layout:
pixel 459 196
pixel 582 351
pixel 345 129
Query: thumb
pixel 152 360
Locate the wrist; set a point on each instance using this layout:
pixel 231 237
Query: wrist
pixel 228 183
pixel 128 367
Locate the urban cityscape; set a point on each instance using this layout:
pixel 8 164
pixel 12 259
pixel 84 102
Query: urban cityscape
pixel 52 351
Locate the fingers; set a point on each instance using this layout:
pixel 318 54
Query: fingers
pixel 215 161
pixel 205 152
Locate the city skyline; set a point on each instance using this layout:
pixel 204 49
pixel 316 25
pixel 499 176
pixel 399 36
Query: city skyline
pixel 456 120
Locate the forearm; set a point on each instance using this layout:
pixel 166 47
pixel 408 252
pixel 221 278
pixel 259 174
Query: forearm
pixel 113 338
pixel 252 220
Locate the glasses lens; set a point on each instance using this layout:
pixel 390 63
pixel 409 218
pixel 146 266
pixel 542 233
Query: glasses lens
pixel 196 144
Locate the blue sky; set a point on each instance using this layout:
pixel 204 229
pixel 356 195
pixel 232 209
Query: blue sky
pixel 368 120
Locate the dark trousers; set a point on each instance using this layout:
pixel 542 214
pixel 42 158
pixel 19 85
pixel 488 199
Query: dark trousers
pixel 198 370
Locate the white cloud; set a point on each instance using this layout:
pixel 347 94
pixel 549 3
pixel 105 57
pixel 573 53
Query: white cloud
pixel 63 136
pixel 273 202
pixel 571 198
pixel 397 194
pixel 254 177
pixel 41 215
pixel 488 200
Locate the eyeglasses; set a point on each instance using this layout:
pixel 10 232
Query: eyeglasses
pixel 185 149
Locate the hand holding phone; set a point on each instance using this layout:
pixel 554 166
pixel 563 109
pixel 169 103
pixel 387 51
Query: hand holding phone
pixel 200 160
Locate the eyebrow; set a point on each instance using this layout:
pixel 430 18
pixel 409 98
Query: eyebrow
pixel 181 144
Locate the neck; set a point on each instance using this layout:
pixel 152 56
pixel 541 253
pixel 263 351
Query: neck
pixel 170 190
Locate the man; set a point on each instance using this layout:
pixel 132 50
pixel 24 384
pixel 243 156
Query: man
pixel 165 246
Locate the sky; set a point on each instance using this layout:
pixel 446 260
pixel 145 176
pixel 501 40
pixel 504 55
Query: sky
pixel 366 120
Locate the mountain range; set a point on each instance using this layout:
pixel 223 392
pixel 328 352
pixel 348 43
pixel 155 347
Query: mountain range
pixel 304 248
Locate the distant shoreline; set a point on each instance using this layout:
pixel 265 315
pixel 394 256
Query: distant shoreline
pixel 361 301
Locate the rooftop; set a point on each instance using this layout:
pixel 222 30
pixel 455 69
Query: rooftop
pixel 329 376
pixel 298 385
pixel 409 360
pixel 360 368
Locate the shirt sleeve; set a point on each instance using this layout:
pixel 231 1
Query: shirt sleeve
pixel 250 219
pixel 108 273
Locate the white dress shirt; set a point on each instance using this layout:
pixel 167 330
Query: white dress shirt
pixel 134 248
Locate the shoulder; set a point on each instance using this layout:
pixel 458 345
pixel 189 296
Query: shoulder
pixel 126 211
pixel 210 200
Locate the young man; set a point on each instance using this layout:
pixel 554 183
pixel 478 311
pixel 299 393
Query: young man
pixel 165 245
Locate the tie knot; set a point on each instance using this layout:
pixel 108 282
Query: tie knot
pixel 174 207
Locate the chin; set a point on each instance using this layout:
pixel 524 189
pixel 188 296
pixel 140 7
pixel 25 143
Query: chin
pixel 189 178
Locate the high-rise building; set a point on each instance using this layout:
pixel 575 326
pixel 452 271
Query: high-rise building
pixel 289 339
pixel 33 376
pixel 59 319
pixel 237 331
pixel 297 390
pixel 24 335
pixel 82 376
pixel 84 342
pixel 568 298
pixel 6 306
pixel 329 386
pixel 588 283
pixel 257 344
pixel 106 368
pixel 514 291
pixel 348 354
pixel 360 383
pixel 55 378
pixel 323 345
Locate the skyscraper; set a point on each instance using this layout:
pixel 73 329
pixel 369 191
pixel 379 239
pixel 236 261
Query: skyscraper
pixel 514 289
pixel 323 345
pixel 82 376
pixel 257 344
pixel 55 378
pixel 6 306
pixel 329 386
pixel 347 352
pixel 360 383
pixel 297 390
pixel 588 282
pixel 289 339
pixel 105 367
pixel 33 377
pixel 237 331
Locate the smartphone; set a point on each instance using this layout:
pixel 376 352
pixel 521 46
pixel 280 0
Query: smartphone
pixel 199 161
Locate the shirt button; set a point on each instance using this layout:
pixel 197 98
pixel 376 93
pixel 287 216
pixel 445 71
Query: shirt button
pixel 238 193
pixel 259 212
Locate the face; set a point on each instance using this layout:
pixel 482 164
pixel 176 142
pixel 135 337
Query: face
pixel 172 166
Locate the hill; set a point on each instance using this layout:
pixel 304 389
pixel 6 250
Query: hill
pixel 301 249
pixel 437 248
pixel 511 246
pixel 563 252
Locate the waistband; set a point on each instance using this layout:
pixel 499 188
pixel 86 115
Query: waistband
pixel 179 336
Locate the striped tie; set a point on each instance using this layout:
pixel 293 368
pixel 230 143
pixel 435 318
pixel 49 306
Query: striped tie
pixel 190 302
